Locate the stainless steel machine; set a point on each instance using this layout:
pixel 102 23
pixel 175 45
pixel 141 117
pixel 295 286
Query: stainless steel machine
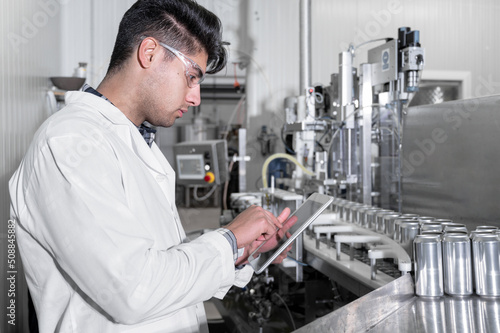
pixel 397 174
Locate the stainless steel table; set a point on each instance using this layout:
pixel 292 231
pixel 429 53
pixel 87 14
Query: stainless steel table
pixel 394 308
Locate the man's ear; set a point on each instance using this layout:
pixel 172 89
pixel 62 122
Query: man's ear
pixel 148 50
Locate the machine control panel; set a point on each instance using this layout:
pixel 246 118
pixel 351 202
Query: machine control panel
pixel 201 163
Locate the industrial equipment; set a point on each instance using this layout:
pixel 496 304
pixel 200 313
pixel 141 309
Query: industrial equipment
pixel 395 210
pixel 344 140
pixel 201 163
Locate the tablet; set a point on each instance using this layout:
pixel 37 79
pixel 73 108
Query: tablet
pixel 306 214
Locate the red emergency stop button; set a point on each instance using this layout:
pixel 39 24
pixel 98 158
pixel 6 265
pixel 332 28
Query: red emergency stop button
pixel 209 177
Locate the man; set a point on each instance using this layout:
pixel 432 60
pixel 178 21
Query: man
pixel 97 227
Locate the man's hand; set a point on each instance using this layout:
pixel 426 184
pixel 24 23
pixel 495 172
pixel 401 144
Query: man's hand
pixel 256 223
pixel 272 241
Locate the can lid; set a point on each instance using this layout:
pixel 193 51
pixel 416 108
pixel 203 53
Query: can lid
pixel 390 216
pixel 410 215
pixel 399 220
pixel 431 224
pixel 427 238
pixel 426 218
pixel 443 220
pixel 456 237
pixel 358 206
pixel 384 212
pixel 409 224
pixel 431 232
pixel 485 237
pixel 486 227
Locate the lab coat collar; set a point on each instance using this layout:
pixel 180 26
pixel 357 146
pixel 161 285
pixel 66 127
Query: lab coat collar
pixel 127 130
pixel 107 109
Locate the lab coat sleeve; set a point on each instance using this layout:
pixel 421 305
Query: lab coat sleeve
pixel 79 213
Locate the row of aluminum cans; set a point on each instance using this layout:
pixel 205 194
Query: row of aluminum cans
pixel 447 257
pixel 458 264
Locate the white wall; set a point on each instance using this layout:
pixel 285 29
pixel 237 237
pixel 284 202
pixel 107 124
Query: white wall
pixel 30 54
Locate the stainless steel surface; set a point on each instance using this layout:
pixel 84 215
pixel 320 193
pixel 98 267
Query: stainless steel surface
pixel 449 166
pixel 428 266
pixel 457 264
pixel 394 308
pixel 366 311
pixel 486 253
pixel 385 62
pixel 366 111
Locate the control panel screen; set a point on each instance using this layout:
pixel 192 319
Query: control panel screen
pixel 190 166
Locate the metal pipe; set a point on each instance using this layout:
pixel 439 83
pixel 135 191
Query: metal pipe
pixel 305 45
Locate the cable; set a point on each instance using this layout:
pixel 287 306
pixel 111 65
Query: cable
pixel 298 262
pixel 281 155
pixel 288 149
pixel 321 146
pixel 236 109
pixel 319 98
pixel 205 197
pixel 372 41
pixel 287 309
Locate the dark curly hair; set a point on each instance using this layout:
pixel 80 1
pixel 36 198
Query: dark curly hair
pixel 182 24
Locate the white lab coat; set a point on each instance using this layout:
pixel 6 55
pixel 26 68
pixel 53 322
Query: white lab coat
pixel 99 233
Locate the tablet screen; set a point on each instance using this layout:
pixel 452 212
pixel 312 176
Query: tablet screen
pixel 306 214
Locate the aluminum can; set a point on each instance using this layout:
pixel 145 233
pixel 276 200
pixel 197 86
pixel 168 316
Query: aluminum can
pixel 351 211
pixel 452 229
pixel 388 222
pixel 342 205
pixel 430 226
pixel 435 233
pixel 428 266
pixel 457 265
pixel 443 221
pixel 397 227
pixel 348 210
pixel 360 215
pixel 486 254
pixel 369 217
pixel 409 230
pixel 378 219
pixel 489 228
pixel 476 232
pixel 410 216
pixel 424 219
pixel 336 205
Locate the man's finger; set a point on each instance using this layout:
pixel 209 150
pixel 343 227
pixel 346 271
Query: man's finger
pixel 284 215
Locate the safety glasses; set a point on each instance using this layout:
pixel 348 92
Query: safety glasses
pixel 194 74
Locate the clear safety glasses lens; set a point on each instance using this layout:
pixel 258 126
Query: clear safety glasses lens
pixel 194 74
